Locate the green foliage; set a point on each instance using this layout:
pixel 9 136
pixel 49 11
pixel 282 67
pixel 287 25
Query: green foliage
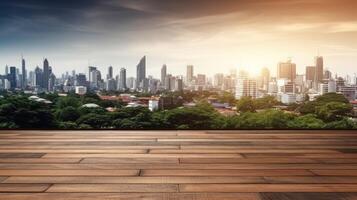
pixel 246 104
pixel 64 102
pixel 344 123
pixel 308 121
pixel 333 111
pixel 67 114
pixel 96 121
pixel 328 107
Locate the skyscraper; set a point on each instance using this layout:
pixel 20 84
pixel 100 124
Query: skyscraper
pixel 141 73
pixel 46 74
pixel 12 77
pixel 24 77
pixel 163 74
pixel 189 74
pixel 38 79
pixel 265 79
pixel 319 63
pixel 92 75
pixel 245 87
pixel 110 72
pixel 310 73
pixel 287 70
pixel 6 70
pixel 122 79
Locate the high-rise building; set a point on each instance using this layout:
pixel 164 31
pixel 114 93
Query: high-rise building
pixel 46 74
pixel 122 79
pixel 163 74
pixel 90 73
pixel 51 82
pixel 167 83
pixel 189 74
pixel 245 87
pixel 6 70
pixel 319 63
pixel 81 80
pixel 110 72
pixel 218 80
pixel 201 79
pixel 38 80
pixel 327 75
pixel 111 84
pixel 179 85
pixel 24 77
pixel 287 70
pixel 310 73
pixel 12 77
pixel 141 73
pixel 264 79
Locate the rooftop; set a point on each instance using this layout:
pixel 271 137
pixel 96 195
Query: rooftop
pixel 187 165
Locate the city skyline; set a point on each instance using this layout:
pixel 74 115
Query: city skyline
pixel 208 34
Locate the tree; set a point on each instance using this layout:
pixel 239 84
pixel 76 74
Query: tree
pixel 67 114
pixel 64 102
pixel 94 120
pixel 344 123
pixel 308 121
pixel 246 104
pixel 333 111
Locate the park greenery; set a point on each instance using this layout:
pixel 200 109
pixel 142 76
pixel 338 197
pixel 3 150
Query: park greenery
pixel 329 111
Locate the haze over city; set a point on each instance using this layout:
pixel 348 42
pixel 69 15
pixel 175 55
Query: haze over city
pixel 214 36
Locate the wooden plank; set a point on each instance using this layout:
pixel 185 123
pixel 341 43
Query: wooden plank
pixel 311 195
pixel 142 196
pixel 247 160
pixel 20 155
pixel 129 160
pixel 311 179
pixel 81 147
pixel 64 188
pixel 94 155
pixel 42 152
pixel 174 165
pixel 243 172
pixel 329 172
pixel 40 160
pixel 268 188
pixel 147 180
pixel 244 151
pixel 4 172
pixel 3 178
pixel 23 187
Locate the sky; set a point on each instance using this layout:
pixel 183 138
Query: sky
pixel 213 35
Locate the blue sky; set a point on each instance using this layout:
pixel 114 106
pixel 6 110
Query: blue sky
pixel 213 35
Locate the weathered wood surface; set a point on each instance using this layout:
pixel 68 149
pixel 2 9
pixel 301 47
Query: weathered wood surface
pixel 189 165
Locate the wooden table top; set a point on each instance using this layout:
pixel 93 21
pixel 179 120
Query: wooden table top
pixel 188 165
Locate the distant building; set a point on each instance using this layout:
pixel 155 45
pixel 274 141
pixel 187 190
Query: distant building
pixel 110 72
pixel 310 73
pixel 264 79
pixel 122 79
pixel 288 98
pixel 218 80
pixel 189 74
pixel 46 74
pixel 163 74
pixel 153 104
pixel 141 74
pixel 245 87
pixel 24 77
pixel 287 70
pixel 81 90
pixel 348 91
pixel 201 79
pixel 12 77
pixel 111 85
pixel 319 63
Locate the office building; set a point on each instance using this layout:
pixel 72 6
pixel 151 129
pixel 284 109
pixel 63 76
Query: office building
pixel 46 74
pixel 24 77
pixel 110 72
pixel 122 79
pixel 163 74
pixel 245 87
pixel 189 74
pixel 319 63
pixel 287 70
pixel 141 74
pixel 12 78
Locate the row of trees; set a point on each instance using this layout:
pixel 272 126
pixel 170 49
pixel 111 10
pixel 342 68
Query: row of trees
pixel 330 111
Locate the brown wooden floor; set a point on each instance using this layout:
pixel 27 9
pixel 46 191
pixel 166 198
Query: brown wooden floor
pixel 189 165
